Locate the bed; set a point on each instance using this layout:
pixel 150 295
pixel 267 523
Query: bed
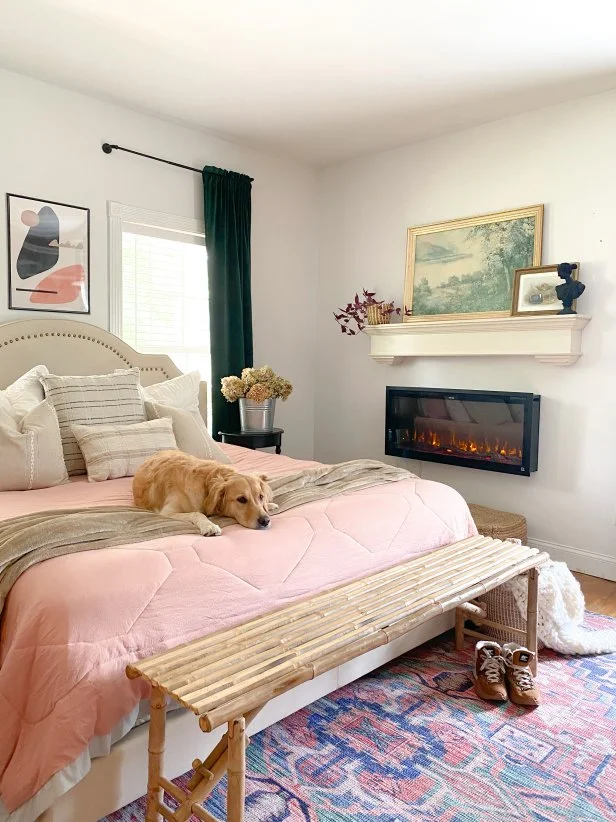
pixel 77 725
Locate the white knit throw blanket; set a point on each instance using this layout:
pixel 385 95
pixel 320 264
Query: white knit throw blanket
pixel 561 613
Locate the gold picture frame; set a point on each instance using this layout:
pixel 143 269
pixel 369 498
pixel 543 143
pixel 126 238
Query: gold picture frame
pixel 470 265
pixel 541 281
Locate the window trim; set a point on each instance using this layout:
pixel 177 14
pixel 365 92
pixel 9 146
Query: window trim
pixel 119 214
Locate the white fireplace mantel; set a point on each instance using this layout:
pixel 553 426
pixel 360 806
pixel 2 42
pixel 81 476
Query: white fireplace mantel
pixel 555 339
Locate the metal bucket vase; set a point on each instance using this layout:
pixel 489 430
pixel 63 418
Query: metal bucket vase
pixel 257 416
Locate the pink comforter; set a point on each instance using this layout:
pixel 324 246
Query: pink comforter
pixel 71 624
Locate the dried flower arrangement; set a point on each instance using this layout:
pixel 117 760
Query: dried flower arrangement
pixel 256 384
pixel 366 311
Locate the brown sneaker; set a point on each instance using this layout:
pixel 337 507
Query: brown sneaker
pixel 490 672
pixel 520 682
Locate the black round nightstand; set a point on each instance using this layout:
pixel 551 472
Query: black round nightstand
pixel 254 439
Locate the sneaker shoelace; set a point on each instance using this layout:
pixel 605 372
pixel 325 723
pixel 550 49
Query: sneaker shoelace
pixel 493 668
pixel 521 676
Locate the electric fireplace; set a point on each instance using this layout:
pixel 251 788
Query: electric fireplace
pixel 491 430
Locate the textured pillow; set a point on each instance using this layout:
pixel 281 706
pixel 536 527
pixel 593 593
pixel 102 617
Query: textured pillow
pixel 488 413
pixel 456 410
pixel 7 415
pixel 31 453
pixel 180 392
pixel 433 407
pixel 96 400
pixel 190 434
pixel 24 394
pixel 516 409
pixel 113 451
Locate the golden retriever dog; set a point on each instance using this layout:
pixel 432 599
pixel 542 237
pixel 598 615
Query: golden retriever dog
pixel 183 487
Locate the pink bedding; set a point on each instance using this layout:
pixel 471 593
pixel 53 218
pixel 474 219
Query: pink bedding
pixel 71 624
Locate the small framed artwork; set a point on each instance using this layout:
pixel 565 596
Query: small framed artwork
pixel 48 255
pixel 465 268
pixel 534 290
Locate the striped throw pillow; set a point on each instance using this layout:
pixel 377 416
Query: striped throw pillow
pixel 105 399
pixel 114 451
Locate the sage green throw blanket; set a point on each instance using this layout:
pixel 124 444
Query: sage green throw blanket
pixel 32 538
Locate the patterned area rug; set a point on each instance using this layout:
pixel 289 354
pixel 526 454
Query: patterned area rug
pixel 412 741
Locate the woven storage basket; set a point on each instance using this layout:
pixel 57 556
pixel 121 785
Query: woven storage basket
pixel 500 604
pixel 375 314
pixel 499 524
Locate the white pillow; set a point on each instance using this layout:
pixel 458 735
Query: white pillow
pixel 457 411
pixel 488 413
pixel 516 409
pixel 114 451
pixel 31 453
pixel 7 414
pixel 25 393
pixel 191 434
pixel 180 392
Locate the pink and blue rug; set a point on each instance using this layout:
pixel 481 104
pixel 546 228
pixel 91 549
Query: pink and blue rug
pixel 412 741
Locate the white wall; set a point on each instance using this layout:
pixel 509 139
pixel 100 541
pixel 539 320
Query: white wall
pixel 50 148
pixel 564 157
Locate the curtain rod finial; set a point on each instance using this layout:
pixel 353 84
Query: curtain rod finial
pixel 107 148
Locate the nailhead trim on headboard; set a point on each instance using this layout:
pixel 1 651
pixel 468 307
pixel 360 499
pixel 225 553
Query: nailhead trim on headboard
pixel 88 338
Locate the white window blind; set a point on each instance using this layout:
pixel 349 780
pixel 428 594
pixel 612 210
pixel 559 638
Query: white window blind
pixel 162 307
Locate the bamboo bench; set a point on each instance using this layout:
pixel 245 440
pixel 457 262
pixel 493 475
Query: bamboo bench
pixel 228 676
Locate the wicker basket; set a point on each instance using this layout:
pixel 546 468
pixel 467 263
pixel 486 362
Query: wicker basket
pixel 499 524
pixel 377 313
pixel 500 603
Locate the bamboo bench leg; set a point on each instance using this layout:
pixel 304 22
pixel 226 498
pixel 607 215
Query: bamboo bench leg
pixel 459 629
pixel 531 615
pixel 156 750
pixel 236 770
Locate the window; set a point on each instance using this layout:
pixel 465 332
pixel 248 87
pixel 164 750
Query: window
pixel 159 292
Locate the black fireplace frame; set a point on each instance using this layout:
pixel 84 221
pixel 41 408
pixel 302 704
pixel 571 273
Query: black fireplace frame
pixel 530 442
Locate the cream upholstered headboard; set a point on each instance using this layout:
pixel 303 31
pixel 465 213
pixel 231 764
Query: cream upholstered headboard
pixel 70 347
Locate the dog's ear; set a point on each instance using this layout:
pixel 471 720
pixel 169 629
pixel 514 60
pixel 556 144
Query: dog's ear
pixel 268 494
pixel 213 497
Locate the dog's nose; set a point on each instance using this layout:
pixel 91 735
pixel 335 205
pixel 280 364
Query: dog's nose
pixel 263 522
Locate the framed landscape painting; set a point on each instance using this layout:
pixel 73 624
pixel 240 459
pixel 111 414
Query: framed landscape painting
pixel 48 255
pixel 466 268
pixel 534 290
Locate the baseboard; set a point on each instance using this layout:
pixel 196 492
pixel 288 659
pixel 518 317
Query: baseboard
pixel 587 562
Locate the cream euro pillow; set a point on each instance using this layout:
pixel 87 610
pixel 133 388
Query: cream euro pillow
pixel 191 434
pixel 31 453
pixel 179 392
pixel 114 451
pixel 23 395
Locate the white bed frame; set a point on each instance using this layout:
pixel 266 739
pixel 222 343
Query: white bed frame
pixel 69 347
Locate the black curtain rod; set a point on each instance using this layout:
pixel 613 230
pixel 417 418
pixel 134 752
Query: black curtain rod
pixel 108 148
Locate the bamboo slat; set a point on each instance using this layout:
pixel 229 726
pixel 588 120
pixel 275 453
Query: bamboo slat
pixel 168 660
pixel 172 789
pixel 204 815
pixel 222 676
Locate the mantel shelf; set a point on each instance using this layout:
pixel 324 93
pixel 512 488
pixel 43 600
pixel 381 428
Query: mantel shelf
pixel 555 339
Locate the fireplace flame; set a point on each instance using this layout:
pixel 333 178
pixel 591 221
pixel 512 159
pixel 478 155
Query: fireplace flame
pixel 452 443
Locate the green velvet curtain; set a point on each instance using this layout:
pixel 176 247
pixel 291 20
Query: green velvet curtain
pixel 227 239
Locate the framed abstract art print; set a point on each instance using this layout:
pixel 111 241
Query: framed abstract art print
pixel 48 255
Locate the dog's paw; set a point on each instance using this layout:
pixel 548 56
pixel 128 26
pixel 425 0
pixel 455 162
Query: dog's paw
pixel 206 527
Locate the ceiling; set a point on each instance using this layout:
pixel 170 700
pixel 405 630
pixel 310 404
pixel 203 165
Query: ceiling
pixel 319 80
